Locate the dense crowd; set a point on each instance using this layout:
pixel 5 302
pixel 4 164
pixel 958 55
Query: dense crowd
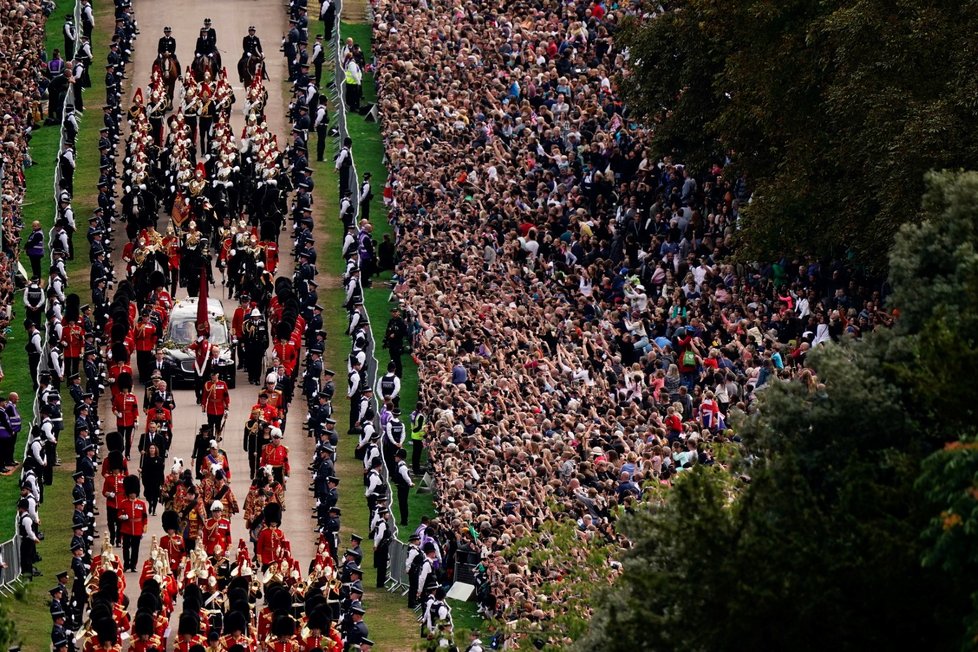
pixel 580 327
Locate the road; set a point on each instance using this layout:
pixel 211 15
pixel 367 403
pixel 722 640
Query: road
pixel 231 20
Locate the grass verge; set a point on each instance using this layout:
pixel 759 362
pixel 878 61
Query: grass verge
pixel 34 632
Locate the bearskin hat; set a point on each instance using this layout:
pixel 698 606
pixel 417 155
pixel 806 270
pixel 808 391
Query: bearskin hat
pixel 272 513
pixel 189 624
pixel 235 622
pixel 113 440
pixel 319 618
pixel 131 484
pixel 106 630
pixel 148 601
pixel 171 521
pixel 72 308
pixel 142 625
pixel 283 626
pixel 115 460
pixel 277 597
pixel 193 598
pixel 120 329
pixel 124 381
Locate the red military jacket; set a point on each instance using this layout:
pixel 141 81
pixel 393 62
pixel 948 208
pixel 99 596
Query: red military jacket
pixel 333 641
pixel 113 485
pixel 133 516
pixel 172 244
pixel 152 642
pixel 269 541
pixel 175 549
pixel 276 456
pixel 146 337
pixel 184 643
pixel 217 399
pixel 230 640
pixel 268 412
pixel 126 407
pixel 288 353
pixel 217 532
pixel 271 256
pixel 73 339
pixel 237 320
pixel 159 415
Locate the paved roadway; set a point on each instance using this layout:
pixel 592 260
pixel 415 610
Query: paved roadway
pixel 231 19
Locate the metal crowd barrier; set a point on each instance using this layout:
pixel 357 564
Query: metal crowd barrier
pixel 343 133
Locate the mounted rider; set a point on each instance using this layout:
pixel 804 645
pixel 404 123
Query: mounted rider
pixel 250 49
pixel 167 46
pixel 206 45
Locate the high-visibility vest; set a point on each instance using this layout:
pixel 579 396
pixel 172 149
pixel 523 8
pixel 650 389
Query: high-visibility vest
pixel 350 79
pixel 417 427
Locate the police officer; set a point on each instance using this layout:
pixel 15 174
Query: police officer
pixel 344 164
pixel 389 386
pixel 167 44
pixel 382 534
pixel 404 483
pixel 27 529
pixel 412 567
pixel 394 436
pixel 251 43
pixel 366 194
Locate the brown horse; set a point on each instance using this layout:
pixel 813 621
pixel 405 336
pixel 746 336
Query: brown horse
pixel 249 66
pixel 169 69
pixel 204 64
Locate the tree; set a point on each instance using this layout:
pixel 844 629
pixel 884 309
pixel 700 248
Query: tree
pixel 860 525
pixel 832 110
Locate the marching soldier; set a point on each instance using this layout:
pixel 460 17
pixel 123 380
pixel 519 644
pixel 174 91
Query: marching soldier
pixel 276 456
pixel 216 402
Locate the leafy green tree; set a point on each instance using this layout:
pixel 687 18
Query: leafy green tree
pixel 859 527
pixel 833 110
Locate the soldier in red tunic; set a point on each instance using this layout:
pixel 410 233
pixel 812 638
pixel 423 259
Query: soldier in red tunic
pixel 114 492
pixel 216 402
pixel 73 342
pixel 236 628
pixel 188 633
pixel 172 541
pixel 125 405
pixel 134 517
pixel 283 632
pixel 146 339
pixel 217 530
pixel 145 637
pixel 271 537
pixel 276 456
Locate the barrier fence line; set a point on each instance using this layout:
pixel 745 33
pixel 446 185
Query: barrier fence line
pixel 10 576
pixel 397 578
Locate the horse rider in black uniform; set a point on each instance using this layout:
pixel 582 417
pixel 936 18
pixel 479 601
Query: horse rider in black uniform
pixel 251 45
pixel 207 44
pixel 167 43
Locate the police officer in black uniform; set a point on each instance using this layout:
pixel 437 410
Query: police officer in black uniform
pixel 167 44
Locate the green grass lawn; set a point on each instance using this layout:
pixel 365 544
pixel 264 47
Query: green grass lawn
pixel 55 513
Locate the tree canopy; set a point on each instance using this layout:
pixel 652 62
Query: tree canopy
pixel 833 111
pixel 858 527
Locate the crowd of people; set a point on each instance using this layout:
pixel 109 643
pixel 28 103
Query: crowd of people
pixel 581 329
